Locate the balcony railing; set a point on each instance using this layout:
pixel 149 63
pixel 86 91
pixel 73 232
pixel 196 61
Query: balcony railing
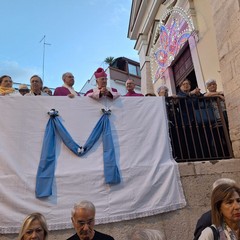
pixel 198 128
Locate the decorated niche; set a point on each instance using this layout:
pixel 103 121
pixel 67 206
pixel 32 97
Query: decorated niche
pixel 173 31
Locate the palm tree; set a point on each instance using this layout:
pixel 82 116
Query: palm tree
pixel 109 60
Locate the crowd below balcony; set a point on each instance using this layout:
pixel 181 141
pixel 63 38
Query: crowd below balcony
pixel 198 124
pixel 222 221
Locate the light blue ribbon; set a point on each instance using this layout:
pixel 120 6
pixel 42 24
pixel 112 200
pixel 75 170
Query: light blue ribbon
pixel 46 168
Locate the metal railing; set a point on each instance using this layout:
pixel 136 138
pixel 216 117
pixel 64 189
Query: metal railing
pixel 198 128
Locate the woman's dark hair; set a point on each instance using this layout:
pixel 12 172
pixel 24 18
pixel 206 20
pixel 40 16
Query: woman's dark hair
pixel 2 77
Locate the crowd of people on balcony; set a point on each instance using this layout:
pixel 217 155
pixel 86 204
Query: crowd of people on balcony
pixel 189 115
pixel 67 89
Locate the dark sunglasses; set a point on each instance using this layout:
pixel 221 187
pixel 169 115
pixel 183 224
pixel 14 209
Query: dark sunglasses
pixel 23 90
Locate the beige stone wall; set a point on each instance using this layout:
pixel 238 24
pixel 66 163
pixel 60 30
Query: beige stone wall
pixel 146 85
pixel 197 179
pixel 206 46
pixel 226 15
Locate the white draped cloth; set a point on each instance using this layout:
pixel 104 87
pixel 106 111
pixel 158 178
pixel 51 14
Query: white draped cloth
pixel 150 181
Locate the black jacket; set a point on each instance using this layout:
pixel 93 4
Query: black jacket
pixel 97 236
pixel 204 221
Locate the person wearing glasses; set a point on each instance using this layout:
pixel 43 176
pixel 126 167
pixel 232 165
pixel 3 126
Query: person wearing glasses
pixel 34 226
pixel 102 90
pixel 67 87
pixel 23 89
pixel 83 220
pixel 130 86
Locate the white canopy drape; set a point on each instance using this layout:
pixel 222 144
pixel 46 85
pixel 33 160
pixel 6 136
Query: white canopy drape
pixel 150 177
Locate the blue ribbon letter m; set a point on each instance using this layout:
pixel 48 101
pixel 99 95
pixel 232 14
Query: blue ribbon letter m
pixel 46 168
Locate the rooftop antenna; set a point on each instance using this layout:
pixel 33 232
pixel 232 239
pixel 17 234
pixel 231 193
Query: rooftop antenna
pixel 44 44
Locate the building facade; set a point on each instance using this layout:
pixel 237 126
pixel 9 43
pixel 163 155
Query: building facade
pixel 189 39
pixel 175 40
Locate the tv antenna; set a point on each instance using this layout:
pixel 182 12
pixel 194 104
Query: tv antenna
pixel 44 44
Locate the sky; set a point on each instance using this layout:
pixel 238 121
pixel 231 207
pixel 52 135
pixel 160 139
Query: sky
pixel 81 34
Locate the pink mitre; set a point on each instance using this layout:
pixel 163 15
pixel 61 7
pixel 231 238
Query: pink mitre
pixel 100 73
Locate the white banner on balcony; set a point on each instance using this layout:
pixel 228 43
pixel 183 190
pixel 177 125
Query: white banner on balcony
pixel 150 182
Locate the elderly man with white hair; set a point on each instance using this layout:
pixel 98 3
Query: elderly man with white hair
pixel 83 220
pixel 211 86
pixel 67 88
pixel 130 86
